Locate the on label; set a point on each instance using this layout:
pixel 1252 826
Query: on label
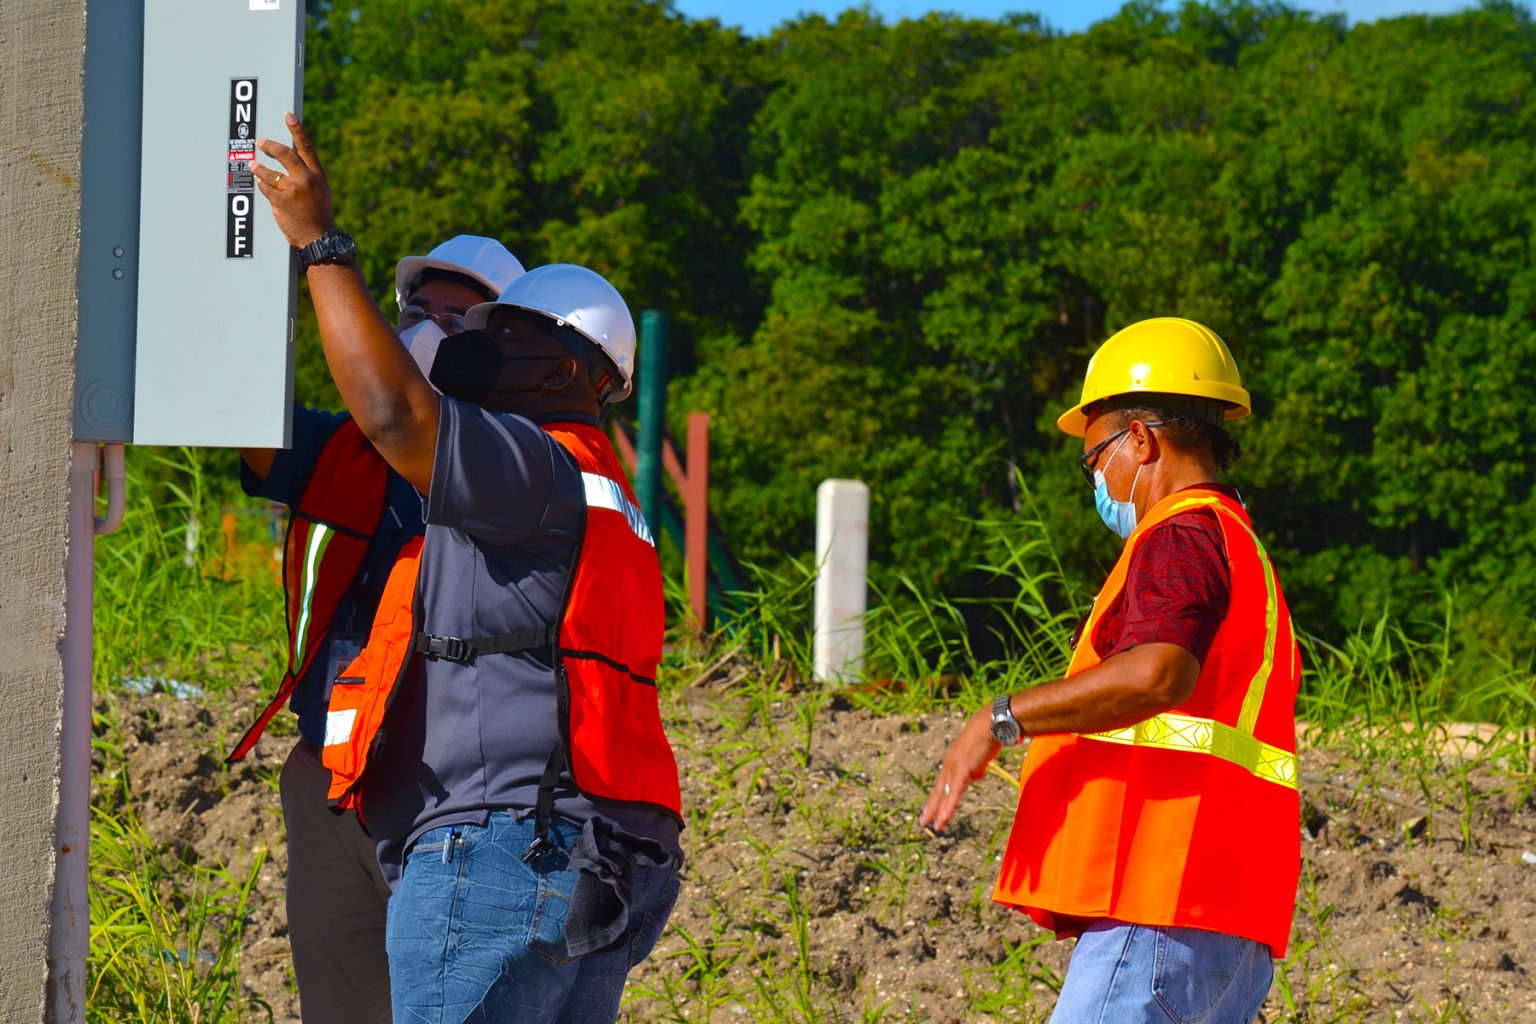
pixel 239 182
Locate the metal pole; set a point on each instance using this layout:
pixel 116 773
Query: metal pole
pixel 70 913
pixel 696 519
pixel 655 326
pixel 69 936
pixel 842 565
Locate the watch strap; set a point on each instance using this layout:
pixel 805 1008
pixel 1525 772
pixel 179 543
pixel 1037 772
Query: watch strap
pixel 334 246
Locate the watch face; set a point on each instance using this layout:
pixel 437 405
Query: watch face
pixel 1005 728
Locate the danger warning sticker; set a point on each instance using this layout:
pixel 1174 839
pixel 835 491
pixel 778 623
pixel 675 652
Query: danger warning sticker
pixel 239 182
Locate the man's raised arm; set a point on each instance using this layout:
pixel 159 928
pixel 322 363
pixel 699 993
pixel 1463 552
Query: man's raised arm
pixel 380 383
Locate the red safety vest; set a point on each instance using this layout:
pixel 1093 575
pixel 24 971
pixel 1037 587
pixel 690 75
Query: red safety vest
pixel 607 646
pixel 1191 817
pixel 328 535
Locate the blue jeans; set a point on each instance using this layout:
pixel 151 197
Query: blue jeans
pixel 1137 974
pixel 476 934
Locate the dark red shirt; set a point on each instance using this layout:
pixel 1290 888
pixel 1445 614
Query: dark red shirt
pixel 1176 590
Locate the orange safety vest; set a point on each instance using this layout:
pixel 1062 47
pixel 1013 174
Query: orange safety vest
pixel 607 646
pixel 1188 818
pixel 327 539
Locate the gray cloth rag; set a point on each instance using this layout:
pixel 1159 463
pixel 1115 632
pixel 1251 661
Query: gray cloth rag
pixel 598 920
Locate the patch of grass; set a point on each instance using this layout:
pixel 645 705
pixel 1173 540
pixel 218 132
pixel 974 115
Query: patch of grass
pixel 166 930
pixel 166 606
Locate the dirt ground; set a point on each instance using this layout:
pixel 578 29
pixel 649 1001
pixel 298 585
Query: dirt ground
pixel 812 895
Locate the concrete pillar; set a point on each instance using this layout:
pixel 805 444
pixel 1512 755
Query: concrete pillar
pixel 842 564
pixel 42 53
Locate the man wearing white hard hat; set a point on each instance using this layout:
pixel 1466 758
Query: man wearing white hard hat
pixel 500 732
pixel 351 516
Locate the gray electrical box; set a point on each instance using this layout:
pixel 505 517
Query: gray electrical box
pixel 187 288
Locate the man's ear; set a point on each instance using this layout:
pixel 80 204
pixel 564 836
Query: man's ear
pixel 1147 445
pixel 560 375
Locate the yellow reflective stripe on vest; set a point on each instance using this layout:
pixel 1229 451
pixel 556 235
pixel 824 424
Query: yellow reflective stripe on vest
pixel 605 493
pixel 319 539
pixel 1169 731
pixel 1253 698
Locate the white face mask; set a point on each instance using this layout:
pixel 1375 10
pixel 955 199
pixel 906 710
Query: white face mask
pixel 422 340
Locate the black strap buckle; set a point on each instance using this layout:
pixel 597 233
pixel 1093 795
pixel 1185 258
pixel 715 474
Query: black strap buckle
pixel 452 648
pixel 538 848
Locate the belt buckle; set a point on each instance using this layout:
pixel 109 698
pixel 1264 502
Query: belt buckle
pixel 452 648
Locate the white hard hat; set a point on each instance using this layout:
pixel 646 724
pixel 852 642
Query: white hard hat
pixel 582 298
pixel 483 260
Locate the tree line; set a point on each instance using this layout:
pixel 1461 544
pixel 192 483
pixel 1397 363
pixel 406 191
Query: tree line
pixel 890 249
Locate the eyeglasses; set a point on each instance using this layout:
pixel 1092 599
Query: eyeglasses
pixel 451 323
pixel 1085 464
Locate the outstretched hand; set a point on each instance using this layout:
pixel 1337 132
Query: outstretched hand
pixel 299 194
pixel 964 762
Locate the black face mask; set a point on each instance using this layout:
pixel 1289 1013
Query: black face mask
pixel 467 366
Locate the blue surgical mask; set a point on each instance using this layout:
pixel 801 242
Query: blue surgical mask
pixel 1119 516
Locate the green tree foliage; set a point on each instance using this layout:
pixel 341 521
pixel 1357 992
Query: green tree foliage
pixel 892 247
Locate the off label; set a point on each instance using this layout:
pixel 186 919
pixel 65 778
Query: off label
pixel 239 182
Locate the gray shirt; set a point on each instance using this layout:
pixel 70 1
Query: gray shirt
pixel 504 519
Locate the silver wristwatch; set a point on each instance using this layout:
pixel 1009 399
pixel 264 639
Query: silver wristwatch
pixel 1005 728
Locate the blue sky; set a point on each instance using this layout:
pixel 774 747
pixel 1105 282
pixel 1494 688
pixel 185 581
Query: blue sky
pixel 757 16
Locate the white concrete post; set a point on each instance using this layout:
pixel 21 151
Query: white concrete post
pixel 42 60
pixel 842 568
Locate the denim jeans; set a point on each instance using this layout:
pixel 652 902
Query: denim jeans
pixel 1138 974
pixel 475 934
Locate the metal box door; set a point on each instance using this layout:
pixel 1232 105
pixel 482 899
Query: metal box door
pixel 213 306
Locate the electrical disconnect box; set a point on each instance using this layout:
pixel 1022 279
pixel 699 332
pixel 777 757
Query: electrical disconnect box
pixel 187 288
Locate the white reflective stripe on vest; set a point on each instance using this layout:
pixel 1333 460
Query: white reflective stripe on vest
pixel 605 493
pixel 319 539
pixel 338 726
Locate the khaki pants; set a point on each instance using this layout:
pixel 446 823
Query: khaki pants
pixel 336 901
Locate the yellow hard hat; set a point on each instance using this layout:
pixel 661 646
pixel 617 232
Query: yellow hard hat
pixel 1166 355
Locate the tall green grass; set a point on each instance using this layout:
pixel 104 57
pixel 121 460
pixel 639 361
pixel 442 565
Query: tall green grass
pixel 166 604
pixel 166 927
pixel 166 932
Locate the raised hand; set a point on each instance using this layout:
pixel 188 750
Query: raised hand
pixel 299 194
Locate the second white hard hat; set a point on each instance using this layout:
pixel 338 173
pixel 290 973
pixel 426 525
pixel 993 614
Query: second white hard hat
pixel 480 259
pixel 582 298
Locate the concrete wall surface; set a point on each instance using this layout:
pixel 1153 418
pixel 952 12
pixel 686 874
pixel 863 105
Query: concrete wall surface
pixel 42 55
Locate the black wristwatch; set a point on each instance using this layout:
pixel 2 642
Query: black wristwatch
pixel 335 246
pixel 1005 728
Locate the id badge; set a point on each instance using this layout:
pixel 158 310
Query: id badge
pixel 343 651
